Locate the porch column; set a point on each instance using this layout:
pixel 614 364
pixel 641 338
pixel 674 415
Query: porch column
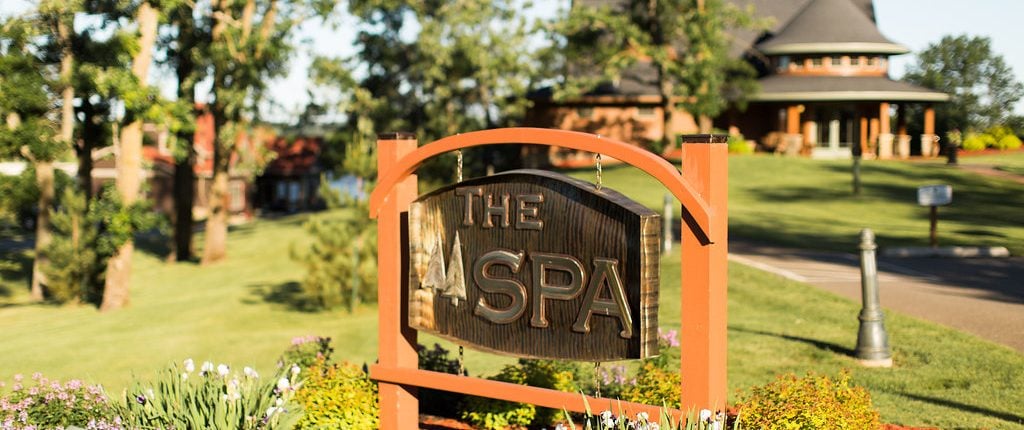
pixel 902 139
pixel 864 152
pixel 810 137
pixel 885 137
pixel 793 139
pixel 873 135
pixel 929 146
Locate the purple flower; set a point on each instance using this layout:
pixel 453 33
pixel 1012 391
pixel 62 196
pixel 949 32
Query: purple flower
pixel 141 399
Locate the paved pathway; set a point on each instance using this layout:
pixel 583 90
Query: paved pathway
pixel 983 296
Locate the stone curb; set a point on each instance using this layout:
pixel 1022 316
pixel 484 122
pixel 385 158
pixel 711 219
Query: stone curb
pixel 948 252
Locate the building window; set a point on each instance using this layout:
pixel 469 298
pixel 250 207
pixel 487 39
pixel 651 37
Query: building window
pixel 585 111
pixel 816 62
pixel 876 61
pixel 855 61
pixel 783 62
pixel 834 61
pixel 645 111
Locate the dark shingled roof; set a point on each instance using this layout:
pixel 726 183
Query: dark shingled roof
pixel 843 88
pixel 830 27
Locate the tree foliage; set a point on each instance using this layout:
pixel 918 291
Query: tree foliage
pixel 686 42
pixel 435 69
pixel 983 87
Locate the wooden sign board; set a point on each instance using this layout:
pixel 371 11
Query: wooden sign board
pixel 536 264
pixel 934 195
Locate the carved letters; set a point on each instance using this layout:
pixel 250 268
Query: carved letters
pixel 556 268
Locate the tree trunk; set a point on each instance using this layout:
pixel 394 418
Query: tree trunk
pixel 90 134
pixel 215 245
pixel 665 87
pixel 215 248
pixel 184 198
pixel 44 180
pixel 129 164
pixel 184 173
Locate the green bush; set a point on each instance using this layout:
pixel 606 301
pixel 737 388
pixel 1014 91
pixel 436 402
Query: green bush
pixel 306 351
pixel 655 385
pixel 739 145
pixel 183 398
pixel 1008 142
pixel 338 396
pixel 810 402
pixel 1003 138
pixel 50 404
pixel 498 414
pixel 977 141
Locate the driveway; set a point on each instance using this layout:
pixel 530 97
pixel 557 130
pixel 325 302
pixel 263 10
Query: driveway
pixel 982 296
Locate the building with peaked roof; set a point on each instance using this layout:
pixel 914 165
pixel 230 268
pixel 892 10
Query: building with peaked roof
pixel 824 91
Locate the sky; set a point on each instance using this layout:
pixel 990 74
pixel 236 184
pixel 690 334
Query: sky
pixel 913 23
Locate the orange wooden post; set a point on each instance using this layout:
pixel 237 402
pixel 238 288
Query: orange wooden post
pixel 399 406
pixel 704 279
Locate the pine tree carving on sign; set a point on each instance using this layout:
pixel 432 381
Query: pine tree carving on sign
pixel 435 277
pixel 455 281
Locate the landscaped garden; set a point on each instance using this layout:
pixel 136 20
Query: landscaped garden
pixel 247 310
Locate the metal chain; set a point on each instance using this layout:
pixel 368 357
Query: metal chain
pixel 462 366
pixel 599 171
pixel 458 169
pixel 597 379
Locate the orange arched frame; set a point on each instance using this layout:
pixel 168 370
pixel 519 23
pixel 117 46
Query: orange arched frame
pixel 701 187
pixel 696 208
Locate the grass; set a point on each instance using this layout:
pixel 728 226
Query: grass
pixel 1010 161
pixel 242 312
pixel 809 203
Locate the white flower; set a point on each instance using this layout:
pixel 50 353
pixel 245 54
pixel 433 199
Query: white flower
pixel 272 410
pixel 295 369
pixel 642 416
pixel 609 423
pixel 223 370
pixel 250 372
pixel 561 426
pixel 717 425
pixel 283 384
pixel 705 415
pixel 190 366
pixel 655 426
pixel 279 402
pixel 606 415
pixel 184 376
pixel 207 367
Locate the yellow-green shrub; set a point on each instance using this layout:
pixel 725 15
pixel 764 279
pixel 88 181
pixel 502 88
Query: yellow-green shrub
pixel 811 402
pixel 338 396
pixel 977 141
pixel 739 145
pixel 497 414
pixel 655 385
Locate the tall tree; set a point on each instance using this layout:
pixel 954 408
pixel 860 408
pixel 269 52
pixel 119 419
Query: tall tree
pixel 57 18
pixel 27 90
pixel 685 41
pixel 249 44
pixel 983 87
pixel 129 161
pixel 186 51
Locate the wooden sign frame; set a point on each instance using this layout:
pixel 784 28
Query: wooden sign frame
pixel 702 189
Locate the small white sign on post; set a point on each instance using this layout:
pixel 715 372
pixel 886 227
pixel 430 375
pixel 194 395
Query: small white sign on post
pixel 934 195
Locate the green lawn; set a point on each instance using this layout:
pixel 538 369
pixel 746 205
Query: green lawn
pixel 239 312
pixel 809 203
pixel 1011 161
